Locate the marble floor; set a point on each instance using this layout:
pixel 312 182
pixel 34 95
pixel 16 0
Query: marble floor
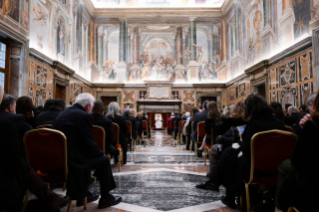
pixel 160 177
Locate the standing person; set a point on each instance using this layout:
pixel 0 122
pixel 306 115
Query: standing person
pixel 115 116
pixel 100 120
pixel 85 155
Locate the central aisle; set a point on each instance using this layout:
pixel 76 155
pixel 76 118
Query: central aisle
pixel 161 177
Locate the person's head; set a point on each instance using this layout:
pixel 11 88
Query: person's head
pixel 238 110
pixel 176 114
pixel 292 109
pixel 86 100
pixel 98 107
pixel 25 106
pixel 194 110
pixel 187 114
pixel 113 110
pixel 277 110
pixel 226 111
pixel 287 106
pixel 126 112
pixel 310 102
pixel 59 103
pixel 256 105
pixel 132 112
pixel 205 104
pixel 139 115
pixel 48 104
pixel 213 112
pixel 303 109
pixel 8 103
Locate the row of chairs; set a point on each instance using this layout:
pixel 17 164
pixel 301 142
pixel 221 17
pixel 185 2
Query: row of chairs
pixel 180 127
pixel 130 135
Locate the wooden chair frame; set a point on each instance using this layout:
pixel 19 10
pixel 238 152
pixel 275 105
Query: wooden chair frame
pixel 196 143
pixel 252 169
pixel 43 130
pixel 50 126
pixel 101 128
pixel 117 137
pixel 292 209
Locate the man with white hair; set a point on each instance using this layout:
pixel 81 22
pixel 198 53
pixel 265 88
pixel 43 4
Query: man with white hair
pixel 292 116
pixel 84 154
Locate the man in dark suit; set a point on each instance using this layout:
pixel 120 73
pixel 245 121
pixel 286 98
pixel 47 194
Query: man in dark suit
pixel 100 120
pixel 126 115
pixel 84 154
pixel 49 116
pixel 176 120
pixel 8 111
pixel 202 116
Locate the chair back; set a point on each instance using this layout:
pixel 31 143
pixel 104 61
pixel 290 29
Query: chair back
pixel 99 136
pixel 145 125
pixel 45 126
pixel 116 132
pixel 129 129
pixel 46 149
pixel 269 149
pixel 200 131
pixel 289 129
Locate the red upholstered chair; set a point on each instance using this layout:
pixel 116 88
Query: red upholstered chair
pixel 145 127
pixel 268 150
pixel 99 136
pixel 130 135
pixel 46 150
pixel 200 135
pixel 116 143
pixel 45 126
pixel 208 145
pixel 290 129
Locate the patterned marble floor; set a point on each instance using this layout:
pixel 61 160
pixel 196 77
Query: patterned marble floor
pixel 160 177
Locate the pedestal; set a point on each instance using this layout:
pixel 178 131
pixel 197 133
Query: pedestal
pixel 121 72
pixel 179 73
pixel 193 71
pixel 268 40
pixel 286 22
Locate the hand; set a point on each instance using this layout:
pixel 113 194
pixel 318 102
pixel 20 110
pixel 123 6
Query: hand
pixel 240 138
pixel 304 120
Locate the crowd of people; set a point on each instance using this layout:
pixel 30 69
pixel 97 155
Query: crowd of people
pixel 18 116
pixel 230 154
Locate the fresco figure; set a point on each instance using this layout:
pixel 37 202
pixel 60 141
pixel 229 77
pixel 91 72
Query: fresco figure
pixel 61 37
pixel 40 14
pixel 199 53
pixel 187 51
pixel 109 70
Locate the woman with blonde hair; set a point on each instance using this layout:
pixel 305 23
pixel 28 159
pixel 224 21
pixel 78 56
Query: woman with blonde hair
pixel 236 117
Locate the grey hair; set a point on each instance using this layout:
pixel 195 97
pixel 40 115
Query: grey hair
pixel 292 109
pixel 85 98
pixel 126 112
pixel 113 110
pixel 311 99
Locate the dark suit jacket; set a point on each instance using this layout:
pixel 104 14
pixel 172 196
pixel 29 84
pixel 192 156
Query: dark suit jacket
pixel 120 120
pixel 139 126
pixel 177 120
pixel 100 120
pixel 292 119
pixel 202 116
pixel 76 124
pixel 21 127
pixel 48 117
pixel 134 125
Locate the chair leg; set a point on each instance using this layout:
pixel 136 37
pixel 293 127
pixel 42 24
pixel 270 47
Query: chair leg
pixel 69 206
pixel 85 201
pixel 25 201
pixel 247 197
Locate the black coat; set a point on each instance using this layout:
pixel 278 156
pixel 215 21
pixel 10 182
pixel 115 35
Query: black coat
pixel 298 129
pixel 177 120
pixel 209 123
pixel 305 157
pixel 134 125
pixel 263 121
pixel 21 127
pixel 292 119
pixel 100 120
pixel 48 117
pixel 202 116
pixel 231 122
pixel 120 120
pixel 76 124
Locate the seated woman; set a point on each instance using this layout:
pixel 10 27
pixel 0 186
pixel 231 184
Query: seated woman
pixel 25 107
pixel 214 118
pixel 188 124
pixel 234 164
pixel 298 186
pixel 115 116
pixel 236 117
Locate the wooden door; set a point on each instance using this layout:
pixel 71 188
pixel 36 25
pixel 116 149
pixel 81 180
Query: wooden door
pixel 60 92
pixel 262 90
pixel 108 99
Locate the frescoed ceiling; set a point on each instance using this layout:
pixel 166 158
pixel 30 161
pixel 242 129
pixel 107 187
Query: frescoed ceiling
pixel 155 3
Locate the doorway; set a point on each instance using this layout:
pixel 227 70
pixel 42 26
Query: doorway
pixel 108 99
pixel 60 92
pixel 152 119
pixel 209 98
pixel 261 90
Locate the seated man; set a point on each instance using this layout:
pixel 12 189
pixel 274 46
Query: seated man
pixel 8 111
pixel 84 154
pixel 202 116
pixel 49 116
pixel 292 116
pixel 100 120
